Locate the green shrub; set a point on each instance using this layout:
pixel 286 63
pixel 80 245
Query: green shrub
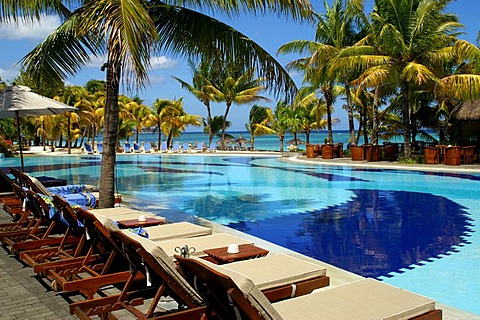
pixel 414 159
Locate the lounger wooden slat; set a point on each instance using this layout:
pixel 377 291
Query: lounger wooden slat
pixel 160 280
pixel 86 273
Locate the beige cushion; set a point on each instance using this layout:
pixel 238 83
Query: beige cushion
pixel 276 270
pixel 251 292
pixel 271 271
pixel 360 300
pixel 215 240
pixel 166 263
pixel 176 230
pixel 115 211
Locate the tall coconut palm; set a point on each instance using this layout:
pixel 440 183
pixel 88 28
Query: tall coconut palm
pixel 410 44
pixel 340 26
pixel 280 121
pixel 201 89
pixel 129 31
pixel 237 87
pixel 258 123
pixel 161 109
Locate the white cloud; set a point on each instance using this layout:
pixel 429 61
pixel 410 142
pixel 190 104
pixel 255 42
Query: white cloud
pixel 157 79
pixel 96 61
pixel 29 30
pixel 162 62
pixel 8 75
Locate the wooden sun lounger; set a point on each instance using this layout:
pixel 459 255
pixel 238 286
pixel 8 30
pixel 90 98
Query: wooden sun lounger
pixel 278 276
pixel 235 296
pixel 22 217
pixel 54 234
pixel 301 277
pixel 162 280
pixel 101 265
pixel 43 258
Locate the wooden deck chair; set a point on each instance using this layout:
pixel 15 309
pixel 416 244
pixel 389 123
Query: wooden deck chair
pixel 83 249
pixel 23 217
pixel 162 280
pixel 17 209
pixel 6 191
pixel 53 234
pixel 237 297
pixel 103 264
pixel 287 276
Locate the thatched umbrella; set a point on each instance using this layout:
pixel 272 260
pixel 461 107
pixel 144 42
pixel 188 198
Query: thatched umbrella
pixel 467 111
pixel 466 118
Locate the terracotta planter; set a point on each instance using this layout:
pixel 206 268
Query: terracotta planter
pixel 391 152
pixel 453 156
pixel 431 155
pixel 327 151
pixel 372 152
pixel 358 153
pixel 310 151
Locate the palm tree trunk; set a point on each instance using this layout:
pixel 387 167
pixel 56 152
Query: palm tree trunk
pixel 376 103
pixel 282 138
pixel 224 124
pixel 69 141
pixel 159 136
pixel 209 123
pixel 406 123
pixel 329 101
pixel 110 137
pixel 351 124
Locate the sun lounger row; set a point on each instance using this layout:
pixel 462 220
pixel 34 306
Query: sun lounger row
pixel 87 252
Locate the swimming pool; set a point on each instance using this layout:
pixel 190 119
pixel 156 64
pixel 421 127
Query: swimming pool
pixel 413 229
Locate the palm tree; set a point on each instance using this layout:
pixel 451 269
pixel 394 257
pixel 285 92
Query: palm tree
pixel 161 109
pixel 409 46
pixel 339 27
pixel 259 123
pixel 129 31
pixel 280 121
pixel 201 89
pixel 139 112
pixel 238 88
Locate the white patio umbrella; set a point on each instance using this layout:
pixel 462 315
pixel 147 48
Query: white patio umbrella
pixel 20 101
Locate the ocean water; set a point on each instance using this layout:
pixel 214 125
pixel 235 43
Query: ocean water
pixel 268 142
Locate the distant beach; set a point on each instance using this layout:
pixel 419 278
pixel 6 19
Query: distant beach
pixel 267 143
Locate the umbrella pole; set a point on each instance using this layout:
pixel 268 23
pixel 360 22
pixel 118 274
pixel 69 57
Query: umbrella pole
pixel 19 139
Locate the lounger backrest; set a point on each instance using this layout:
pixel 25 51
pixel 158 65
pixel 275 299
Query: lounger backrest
pixel 227 295
pixel 36 185
pixel 68 214
pixel 159 263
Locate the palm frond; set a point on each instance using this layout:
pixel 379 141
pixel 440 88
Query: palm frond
pixel 63 53
pixel 462 87
pixel 417 73
pixel 189 33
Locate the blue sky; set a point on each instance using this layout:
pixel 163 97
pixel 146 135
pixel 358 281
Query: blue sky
pixel 268 31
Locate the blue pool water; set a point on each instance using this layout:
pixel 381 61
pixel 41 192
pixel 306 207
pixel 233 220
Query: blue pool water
pixel 413 229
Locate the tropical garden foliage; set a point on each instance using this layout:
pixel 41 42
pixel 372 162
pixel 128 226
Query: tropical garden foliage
pixel 399 69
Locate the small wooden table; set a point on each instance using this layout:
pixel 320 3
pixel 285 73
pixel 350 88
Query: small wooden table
pixel 246 251
pixel 134 223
